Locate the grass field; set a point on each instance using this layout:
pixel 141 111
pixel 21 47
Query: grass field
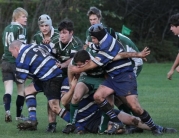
pixel 159 96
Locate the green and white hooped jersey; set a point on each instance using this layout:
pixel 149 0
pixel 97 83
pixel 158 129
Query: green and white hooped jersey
pixel 14 31
pixel 65 51
pixel 131 47
pixel 38 38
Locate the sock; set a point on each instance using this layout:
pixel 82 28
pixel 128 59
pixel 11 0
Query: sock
pixel 145 117
pixel 19 105
pixel 65 115
pixel 7 101
pixel 31 105
pixel 104 122
pixel 108 109
pixel 73 112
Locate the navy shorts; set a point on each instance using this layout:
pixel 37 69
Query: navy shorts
pixel 93 123
pixel 123 85
pixel 51 87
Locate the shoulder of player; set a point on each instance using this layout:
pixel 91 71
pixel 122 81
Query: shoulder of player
pixel 13 28
pixel 77 41
pixel 38 33
pixel 126 41
pixel 55 35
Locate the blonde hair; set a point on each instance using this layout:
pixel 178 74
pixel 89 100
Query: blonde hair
pixel 18 12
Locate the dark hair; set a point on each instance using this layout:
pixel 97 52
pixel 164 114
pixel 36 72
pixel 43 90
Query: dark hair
pixel 174 20
pixel 66 24
pixel 81 56
pixel 94 10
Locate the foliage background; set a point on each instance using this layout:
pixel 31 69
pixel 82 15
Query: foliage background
pixel 148 20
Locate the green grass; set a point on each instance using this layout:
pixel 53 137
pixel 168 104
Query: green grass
pixel 159 96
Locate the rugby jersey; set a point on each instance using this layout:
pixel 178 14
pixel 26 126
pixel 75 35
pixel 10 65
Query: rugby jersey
pixel 37 62
pixel 67 51
pixel 108 49
pixel 14 31
pixel 129 47
pixel 54 40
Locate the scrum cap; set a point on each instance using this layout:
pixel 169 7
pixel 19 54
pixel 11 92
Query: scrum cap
pixel 44 19
pixel 98 31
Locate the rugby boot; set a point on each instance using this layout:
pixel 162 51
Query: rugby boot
pixel 69 128
pixel 51 127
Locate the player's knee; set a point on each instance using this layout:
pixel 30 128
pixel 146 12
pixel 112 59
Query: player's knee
pixel 98 98
pixel 76 99
pixel 28 91
pixel 136 109
pixel 54 109
pixel 177 69
pixel 54 105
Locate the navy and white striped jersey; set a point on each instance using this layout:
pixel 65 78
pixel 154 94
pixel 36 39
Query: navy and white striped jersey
pixel 87 107
pixel 108 49
pixel 36 61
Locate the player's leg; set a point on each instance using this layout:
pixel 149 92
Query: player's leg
pixel 30 96
pixel 132 120
pixel 8 79
pixel 80 90
pixel 132 100
pixel 51 119
pixel 20 101
pixel 8 85
pixel 177 69
pixel 100 98
pixel 145 116
pixel 31 123
pixel 105 118
pixel 120 102
pixel 121 105
pixel 52 90
pixel 57 110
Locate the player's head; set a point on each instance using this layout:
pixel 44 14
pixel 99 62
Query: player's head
pixel 81 58
pixel 97 31
pixel 14 48
pixel 45 23
pixel 20 15
pixel 174 24
pixel 65 29
pixel 94 15
pixel 174 20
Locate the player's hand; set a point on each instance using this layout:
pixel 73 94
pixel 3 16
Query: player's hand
pixel 46 41
pixel 169 74
pixel 145 52
pixel 74 69
pixel 85 46
pixel 73 82
pixel 58 64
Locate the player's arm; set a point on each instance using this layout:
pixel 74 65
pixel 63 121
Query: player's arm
pixel 175 64
pixel 145 52
pixel 64 64
pixel 76 70
pixel 66 98
pixel 21 76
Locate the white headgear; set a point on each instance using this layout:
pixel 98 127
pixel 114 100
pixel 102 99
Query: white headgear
pixel 44 19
